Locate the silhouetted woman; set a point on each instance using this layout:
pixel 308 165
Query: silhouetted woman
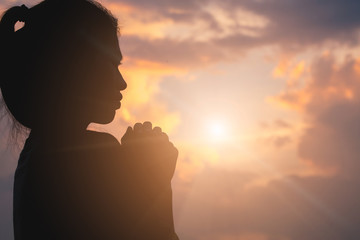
pixel 58 74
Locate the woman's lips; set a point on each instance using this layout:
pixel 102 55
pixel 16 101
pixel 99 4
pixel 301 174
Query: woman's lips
pixel 117 96
pixel 111 100
pixel 118 99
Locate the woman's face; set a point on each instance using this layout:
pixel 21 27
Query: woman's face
pixel 101 81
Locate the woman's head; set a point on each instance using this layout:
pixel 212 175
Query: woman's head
pixel 62 65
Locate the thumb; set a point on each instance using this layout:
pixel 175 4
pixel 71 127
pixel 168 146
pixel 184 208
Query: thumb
pixel 128 134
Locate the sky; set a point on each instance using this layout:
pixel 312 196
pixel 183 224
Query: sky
pixel 262 100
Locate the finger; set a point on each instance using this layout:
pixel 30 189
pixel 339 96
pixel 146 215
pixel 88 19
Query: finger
pixel 138 127
pixel 164 137
pixel 157 130
pixel 129 132
pixel 147 126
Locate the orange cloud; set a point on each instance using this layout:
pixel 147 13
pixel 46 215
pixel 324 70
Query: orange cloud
pixel 143 78
pixel 328 103
pixel 282 68
pixel 289 68
pixel 291 99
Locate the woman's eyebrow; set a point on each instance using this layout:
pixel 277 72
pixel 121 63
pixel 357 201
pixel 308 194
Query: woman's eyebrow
pixel 120 58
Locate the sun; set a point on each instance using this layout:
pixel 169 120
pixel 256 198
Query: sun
pixel 217 130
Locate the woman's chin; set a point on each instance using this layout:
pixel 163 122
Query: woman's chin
pixel 102 113
pixel 104 117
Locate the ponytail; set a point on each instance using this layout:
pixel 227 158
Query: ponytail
pixel 10 50
pixel 7 34
pixel 11 16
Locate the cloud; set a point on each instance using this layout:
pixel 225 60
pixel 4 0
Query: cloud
pixel 304 23
pixel 197 33
pixel 277 133
pixel 230 28
pixel 184 54
pixel 331 110
pixel 217 205
pixel 298 208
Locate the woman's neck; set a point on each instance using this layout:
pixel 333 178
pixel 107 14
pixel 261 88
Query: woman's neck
pixel 61 130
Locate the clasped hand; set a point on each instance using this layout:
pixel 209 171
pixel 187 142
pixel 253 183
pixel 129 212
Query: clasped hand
pixel 150 150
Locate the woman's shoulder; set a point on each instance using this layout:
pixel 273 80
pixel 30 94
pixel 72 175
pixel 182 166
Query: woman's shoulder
pixel 101 146
pixel 85 146
pixel 101 139
pixel 81 151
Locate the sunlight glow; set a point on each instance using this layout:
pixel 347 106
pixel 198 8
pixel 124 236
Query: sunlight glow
pixel 217 130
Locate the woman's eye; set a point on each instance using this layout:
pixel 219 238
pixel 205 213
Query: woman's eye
pixel 117 64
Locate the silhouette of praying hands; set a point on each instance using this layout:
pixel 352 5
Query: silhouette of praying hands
pixel 152 148
pixel 150 160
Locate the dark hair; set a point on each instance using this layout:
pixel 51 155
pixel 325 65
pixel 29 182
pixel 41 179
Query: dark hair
pixel 37 55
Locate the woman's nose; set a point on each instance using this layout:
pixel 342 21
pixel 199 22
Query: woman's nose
pixel 120 82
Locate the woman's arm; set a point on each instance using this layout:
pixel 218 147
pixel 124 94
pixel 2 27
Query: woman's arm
pixel 105 190
pixel 151 163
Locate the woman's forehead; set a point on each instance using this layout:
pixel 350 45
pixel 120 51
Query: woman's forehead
pixel 107 44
